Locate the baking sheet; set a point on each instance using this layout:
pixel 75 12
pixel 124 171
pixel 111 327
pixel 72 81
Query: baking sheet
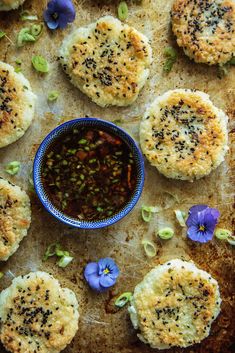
pixel 103 329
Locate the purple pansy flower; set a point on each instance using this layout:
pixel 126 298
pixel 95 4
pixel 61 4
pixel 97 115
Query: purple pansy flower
pixel 59 13
pixel 102 274
pixel 201 223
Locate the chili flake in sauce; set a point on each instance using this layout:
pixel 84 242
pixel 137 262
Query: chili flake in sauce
pixel 89 174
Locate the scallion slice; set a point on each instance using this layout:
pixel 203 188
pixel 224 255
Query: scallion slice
pixel 147 211
pixel 180 215
pixel 50 251
pixel 123 299
pixel 165 233
pixel 40 64
pixel 26 16
pixel 222 234
pixel 231 239
pixel 149 248
pixel 1 274
pixel 13 168
pixel 64 261
pixel 2 34
pixel 52 96
pixel 122 11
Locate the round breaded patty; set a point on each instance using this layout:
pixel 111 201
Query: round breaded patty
pixel 7 5
pixel 175 305
pixel 15 217
pixel 184 135
pixel 37 315
pixel 108 61
pixel 205 29
pixel 17 104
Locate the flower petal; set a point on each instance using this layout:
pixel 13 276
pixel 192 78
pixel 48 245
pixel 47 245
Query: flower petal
pixel 94 283
pixel 192 220
pixel 91 268
pixel 106 281
pixel 215 213
pixel 193 233
pixel 107 262
pixel 197 208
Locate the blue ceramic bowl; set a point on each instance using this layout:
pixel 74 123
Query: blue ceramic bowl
pixel 65 128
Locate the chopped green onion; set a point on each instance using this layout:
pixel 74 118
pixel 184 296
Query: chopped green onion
pixel 25 16
pixel 123 299
pixel 52 96
pixel 180 215
pixel 36 30
pixel 149 248
pixel 40 64
pixel 171 55
pixel 222 234
pixel 231 239
pixel 24 36
pixel 2 34
pixel 55 249
pixel 82 141
pixel 122 11
pixel 13 168
pixel 18 69
pixel 18 62
pixel 64 261
pixel 166 233
pixel 147 211
pixel 1 274
pixel 50 251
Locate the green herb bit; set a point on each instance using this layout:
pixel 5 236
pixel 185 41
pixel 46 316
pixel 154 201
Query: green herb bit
pixel 231 239
pixel 50 251
pixel 36 30
pixel 149 248
pixel 40 64
pixel 52 96
pixel 18 69
pixel 166 233
pixel 65 261
pixel 171 55
pixel 180 215
pixel 25 36
pixel 146 212
pixel 13 168
pixel 123 299
pixel 82 141
pixel 222 234
pixel 122 11
pixel 2 34
pixel 1 274
pixel 26 16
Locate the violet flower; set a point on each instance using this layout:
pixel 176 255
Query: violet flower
pixel 102 274
pixel 201 223
pixel 59 13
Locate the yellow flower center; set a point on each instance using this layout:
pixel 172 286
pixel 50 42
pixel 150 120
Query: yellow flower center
pixel 106 271
pixel 202 228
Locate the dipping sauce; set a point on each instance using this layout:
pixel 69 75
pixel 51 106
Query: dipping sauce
pixel 89 174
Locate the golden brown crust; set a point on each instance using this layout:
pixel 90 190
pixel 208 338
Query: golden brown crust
pixel 15 217
pixel 176 304
pixel 37 315
pixel 109 62
pixel 205 29
pixel 16 105
pixel 184 135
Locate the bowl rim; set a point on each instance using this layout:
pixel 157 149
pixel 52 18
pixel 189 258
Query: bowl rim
pixel 58 214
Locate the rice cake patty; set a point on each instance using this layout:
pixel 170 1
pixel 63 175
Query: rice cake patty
pixel 184 135
pixel 7 5
pixel 17 104
pixel 108 61
pixel 205 29
pixel 15 217
pixel 175 305
pixel 37 315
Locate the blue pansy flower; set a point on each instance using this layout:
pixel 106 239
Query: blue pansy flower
pixel 201 223
pixel 102 274
pixel 59 13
